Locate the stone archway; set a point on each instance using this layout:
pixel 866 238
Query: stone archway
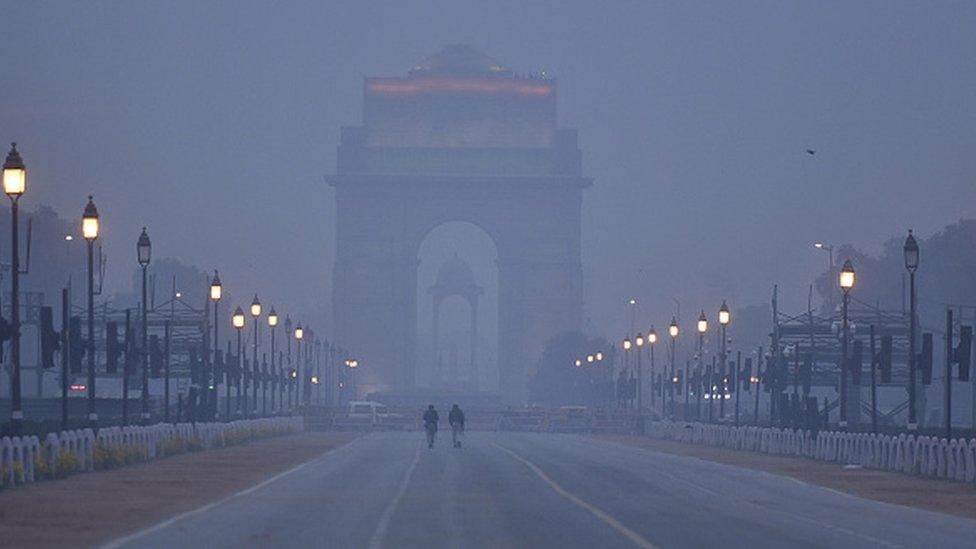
pixel 456 279
pixel 461 138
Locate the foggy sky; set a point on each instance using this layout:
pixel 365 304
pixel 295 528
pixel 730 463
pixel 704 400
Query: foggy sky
pixel 214 123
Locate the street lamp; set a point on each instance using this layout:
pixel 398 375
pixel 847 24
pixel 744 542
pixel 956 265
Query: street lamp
pixel 255 312
pixel 272 324
pixel 724 315
pixel 237 321
pixel 673 332
pixel 651 341
pixel 299 387
pixel 89 229
pixel 15 184
pixel 599 356
pixel 639 341
pixel 352 364
pixel 633 312
pixel 830 268
pixel 290 377
pixel 144 255
pixel 846 280
pixel 578 363
pixel 216 290
pixel 724 319
pixel 626 345
pixel 702 328
pixel 911 263
pixel 589 359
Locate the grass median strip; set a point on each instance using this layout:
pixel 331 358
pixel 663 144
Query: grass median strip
pixel 83 510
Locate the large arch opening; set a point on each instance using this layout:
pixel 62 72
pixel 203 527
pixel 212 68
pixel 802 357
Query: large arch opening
pixel 457 310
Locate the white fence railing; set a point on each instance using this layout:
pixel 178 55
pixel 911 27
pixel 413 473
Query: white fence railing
pixel 925 456
pixel 17 454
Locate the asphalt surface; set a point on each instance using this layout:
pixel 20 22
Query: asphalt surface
pixel 541 490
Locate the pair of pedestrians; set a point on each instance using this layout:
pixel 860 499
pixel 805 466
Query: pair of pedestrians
pixel 455 419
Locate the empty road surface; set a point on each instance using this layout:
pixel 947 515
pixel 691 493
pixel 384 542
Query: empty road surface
pixel 540 490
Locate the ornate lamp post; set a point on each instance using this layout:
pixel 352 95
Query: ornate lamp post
pixel 673 331
pixel 846 281
pixel 300 372
pixel 238 322
pixel 702 328
pixel 626 345
pixel 724 319
pixel 144 255
pixel 288 336
pixel 651 342
pixel 639 341
pixel 911 263
pixel 89 230
pixel 216 292
pixel 255 375
pixel 272 323
pixel 352 364
pixel 15 184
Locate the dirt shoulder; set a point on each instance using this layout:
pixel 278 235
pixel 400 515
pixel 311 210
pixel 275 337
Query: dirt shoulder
pixel 89 508
pixel 951 498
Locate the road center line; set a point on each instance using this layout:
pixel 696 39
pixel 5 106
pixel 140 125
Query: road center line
pixel 633 536
pixel 376 540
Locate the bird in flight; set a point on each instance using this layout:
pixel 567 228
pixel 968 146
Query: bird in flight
pixel 811 152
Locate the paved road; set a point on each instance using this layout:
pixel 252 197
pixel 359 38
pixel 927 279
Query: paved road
pixel 532 490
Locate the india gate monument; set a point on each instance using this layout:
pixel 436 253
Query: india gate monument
pixel 459 138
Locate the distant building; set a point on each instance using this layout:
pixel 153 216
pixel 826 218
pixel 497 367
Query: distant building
pixel 460 138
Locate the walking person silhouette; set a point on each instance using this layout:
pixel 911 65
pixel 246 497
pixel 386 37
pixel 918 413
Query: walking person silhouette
pixel 430 424
pixel 456 419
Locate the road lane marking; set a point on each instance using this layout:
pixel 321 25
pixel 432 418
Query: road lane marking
pixel 376 540
pixel 633 536
pixel 119 542
pixel 718 466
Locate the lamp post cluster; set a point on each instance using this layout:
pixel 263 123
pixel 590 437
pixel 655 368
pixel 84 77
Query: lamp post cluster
pixel 305 369
pixel 846 280
pixel 629 388
pixel 719 378
pixel 291 380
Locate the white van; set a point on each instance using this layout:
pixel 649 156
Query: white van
pixel 367 410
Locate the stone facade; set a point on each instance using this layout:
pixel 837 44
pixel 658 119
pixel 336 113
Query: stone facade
pixel 459 139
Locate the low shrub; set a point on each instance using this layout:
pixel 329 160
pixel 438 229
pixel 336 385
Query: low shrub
pixel 66 463
pixel 194 444
pixel 172 445
pixel 18 473
pixel 176 444
pixel 113 456
pixel 42 470
pixel 242 434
